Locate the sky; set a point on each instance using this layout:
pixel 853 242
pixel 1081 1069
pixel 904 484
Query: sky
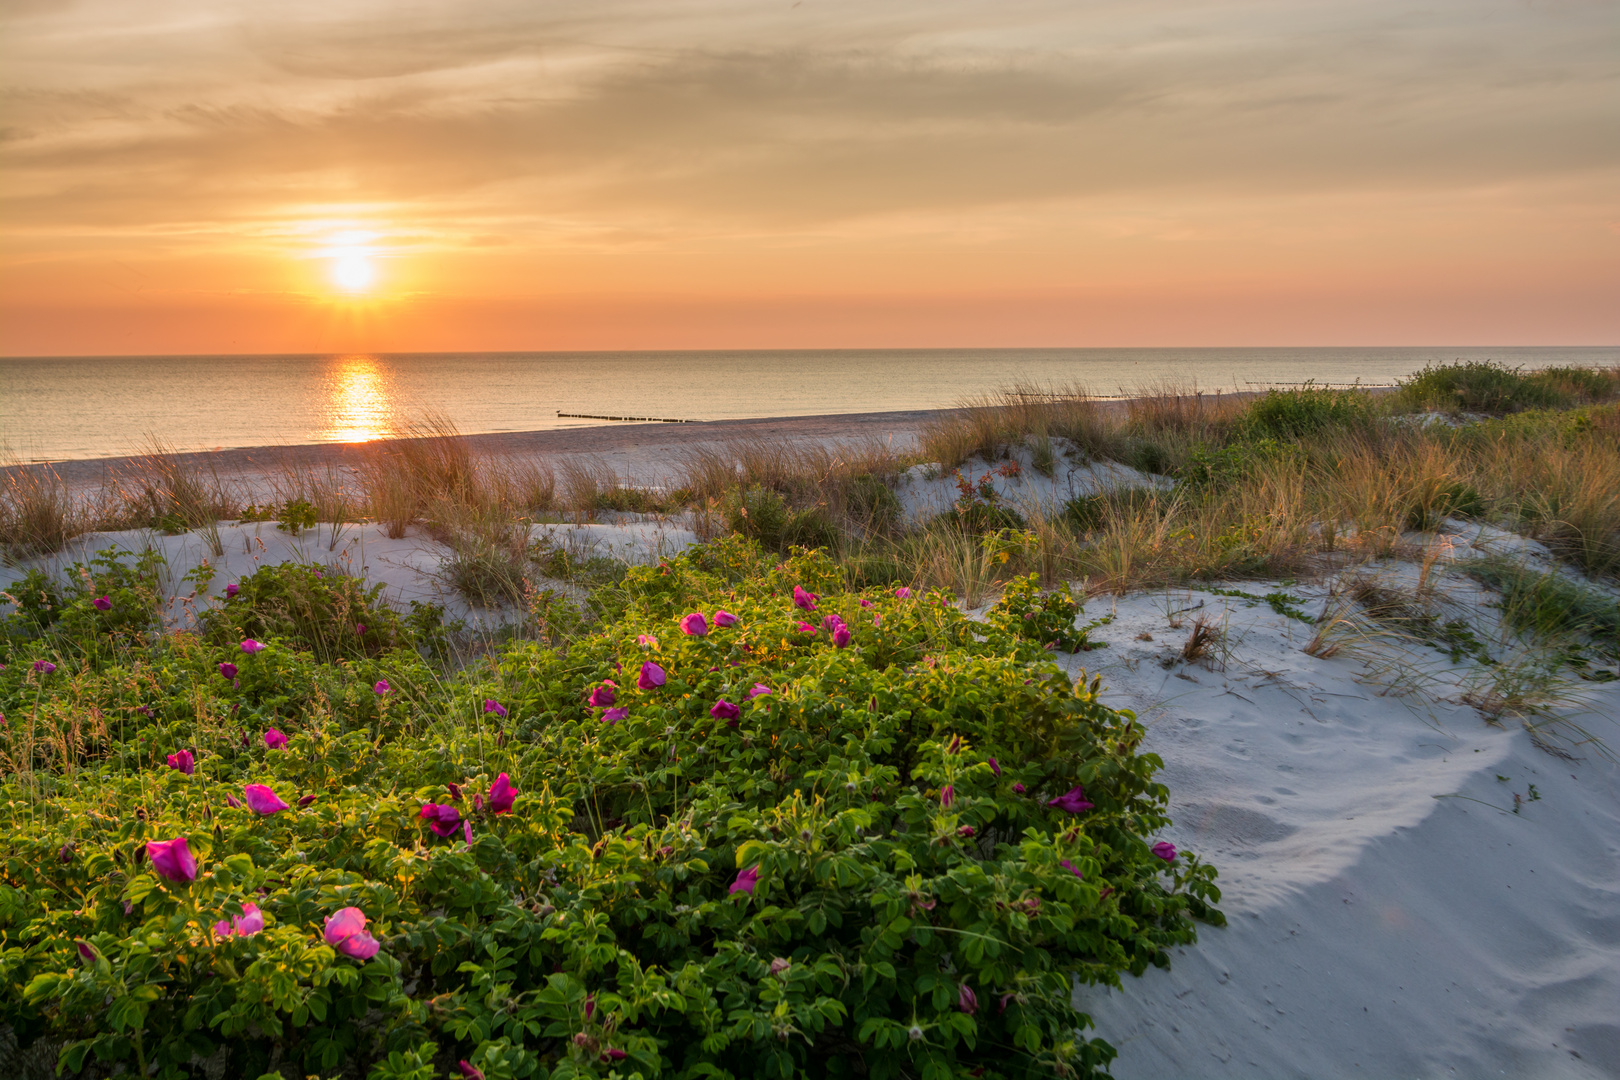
pixel 187 177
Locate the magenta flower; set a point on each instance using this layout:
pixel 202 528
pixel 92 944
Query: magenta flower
pixel 172 859
pixel 865 602
pixel 746 880
pixel 877 620
pixel 804 628
pixel 613 1053
pixel 346 932
pixel 250 646
pixel 232 802
pixel 1018 789
pixel 469 1071
pixel 695 625
pixel 724 710
pixel 360 628
pixel 502 794
pixel 947 795
pixel 306 800
pixel 274 739
pixel 250 922
pixel 903 593
pixel 722 617
pixel 466 831
pixel 455 791
pixel 442 818
pixel 493 706
pixel 646 641
pixel 44 667
pixel 228 670
pixel 759 689
pixel 967 1000
pixel 87 952
pixel 604 695
pixel 262 801
pixel 840 636
pixel 805 600
pixel 381 687
pixel 1165 850
pixel 183 761
pixel 232 589
pixel 651 677
pixel 613 716
pixel 995 766
pixel 1070 867
pixel 1072 801
pixel 954 747
pixel 102 603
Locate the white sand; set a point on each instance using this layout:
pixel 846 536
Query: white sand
pixel 927 491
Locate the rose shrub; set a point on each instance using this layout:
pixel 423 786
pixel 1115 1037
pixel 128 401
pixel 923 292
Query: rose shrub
pixel 828 877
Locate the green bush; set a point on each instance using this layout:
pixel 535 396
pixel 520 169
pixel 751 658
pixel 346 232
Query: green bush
pixel 1481 386
pixel 316 607
pixel 917 907
pixel 1294 414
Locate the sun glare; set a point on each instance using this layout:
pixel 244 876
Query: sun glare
pixel 352 270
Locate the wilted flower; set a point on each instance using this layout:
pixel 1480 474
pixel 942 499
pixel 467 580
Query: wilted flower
pixel 228 670
pixel 1072 801
pixel 995 766
pixel 967 1000
pixel 651 677
pixel 44 667
pixel 346 932
pixel 261 800
pixel 381 687
pixel 1165 850
pixel 695 624
pixel 966 832
pixel 723 617
pixel 1070 867
pixel 172 859
pixel 805 600
pixel 455 791
pixel 66 854
pixel 746 880
pixel 502 794
pixel 274 739
pixel 469 1071
pixel 493 706
pixel 442 818
pixel 602 696
pixel 183 761
pixel 947 795
pixel 759 689
pixel 250 646
pixel 955 745
pixel 779 965
pixel 102 603
pixel 232 589
pixel 250 922
pixel 724 710
pixel 613 716
pixel 903 593
pixel 305 800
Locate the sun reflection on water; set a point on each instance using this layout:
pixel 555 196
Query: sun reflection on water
pixel 358 405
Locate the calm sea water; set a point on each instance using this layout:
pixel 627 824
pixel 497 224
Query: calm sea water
pixel 82 407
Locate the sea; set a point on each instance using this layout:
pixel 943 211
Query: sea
pixel 67 408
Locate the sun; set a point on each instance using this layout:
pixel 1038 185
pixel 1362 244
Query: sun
pixel 352 270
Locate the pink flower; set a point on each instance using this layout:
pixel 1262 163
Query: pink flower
pixel 780 964
pixel 603 696
pixel 232 802
pixel 232 589
pixel 759 689
pixel 172 859
pixel 346 932
pixel 805 600
pixel 695 625
pixel 306 800
pixel 723 617
pixel 442 818
pixel 1018 789
pixel 360 628
pixel 877 620
pixel 746 880
pixel 954 747
pixel 44 667
pixel 651 677
pixel 947 795
pixel 724 710
pixel 1072 801
pixel 1165 850
pixel 493 706
pixel 87 952
pixel 466 831
pixel 228 670
pixel 865 602
pixel 967 1000
pixel 502 794
pixel 250 922
pixel 614 1054
pixel 102 603
pixel 262 801
pixel 646 641
pixel 274 739
pixel 1070 867
pixel 469 1071
pixel 183 761
pixel 250 646
pixel 381 687
pixel 903 593
pixel 995 766
pixel 613 716
pixel 841 636
pixel 804 628
pixel 455 791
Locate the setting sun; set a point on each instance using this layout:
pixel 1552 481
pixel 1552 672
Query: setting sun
pixel 352 270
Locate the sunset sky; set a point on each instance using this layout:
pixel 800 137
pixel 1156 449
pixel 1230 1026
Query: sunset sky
pixel 354 174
